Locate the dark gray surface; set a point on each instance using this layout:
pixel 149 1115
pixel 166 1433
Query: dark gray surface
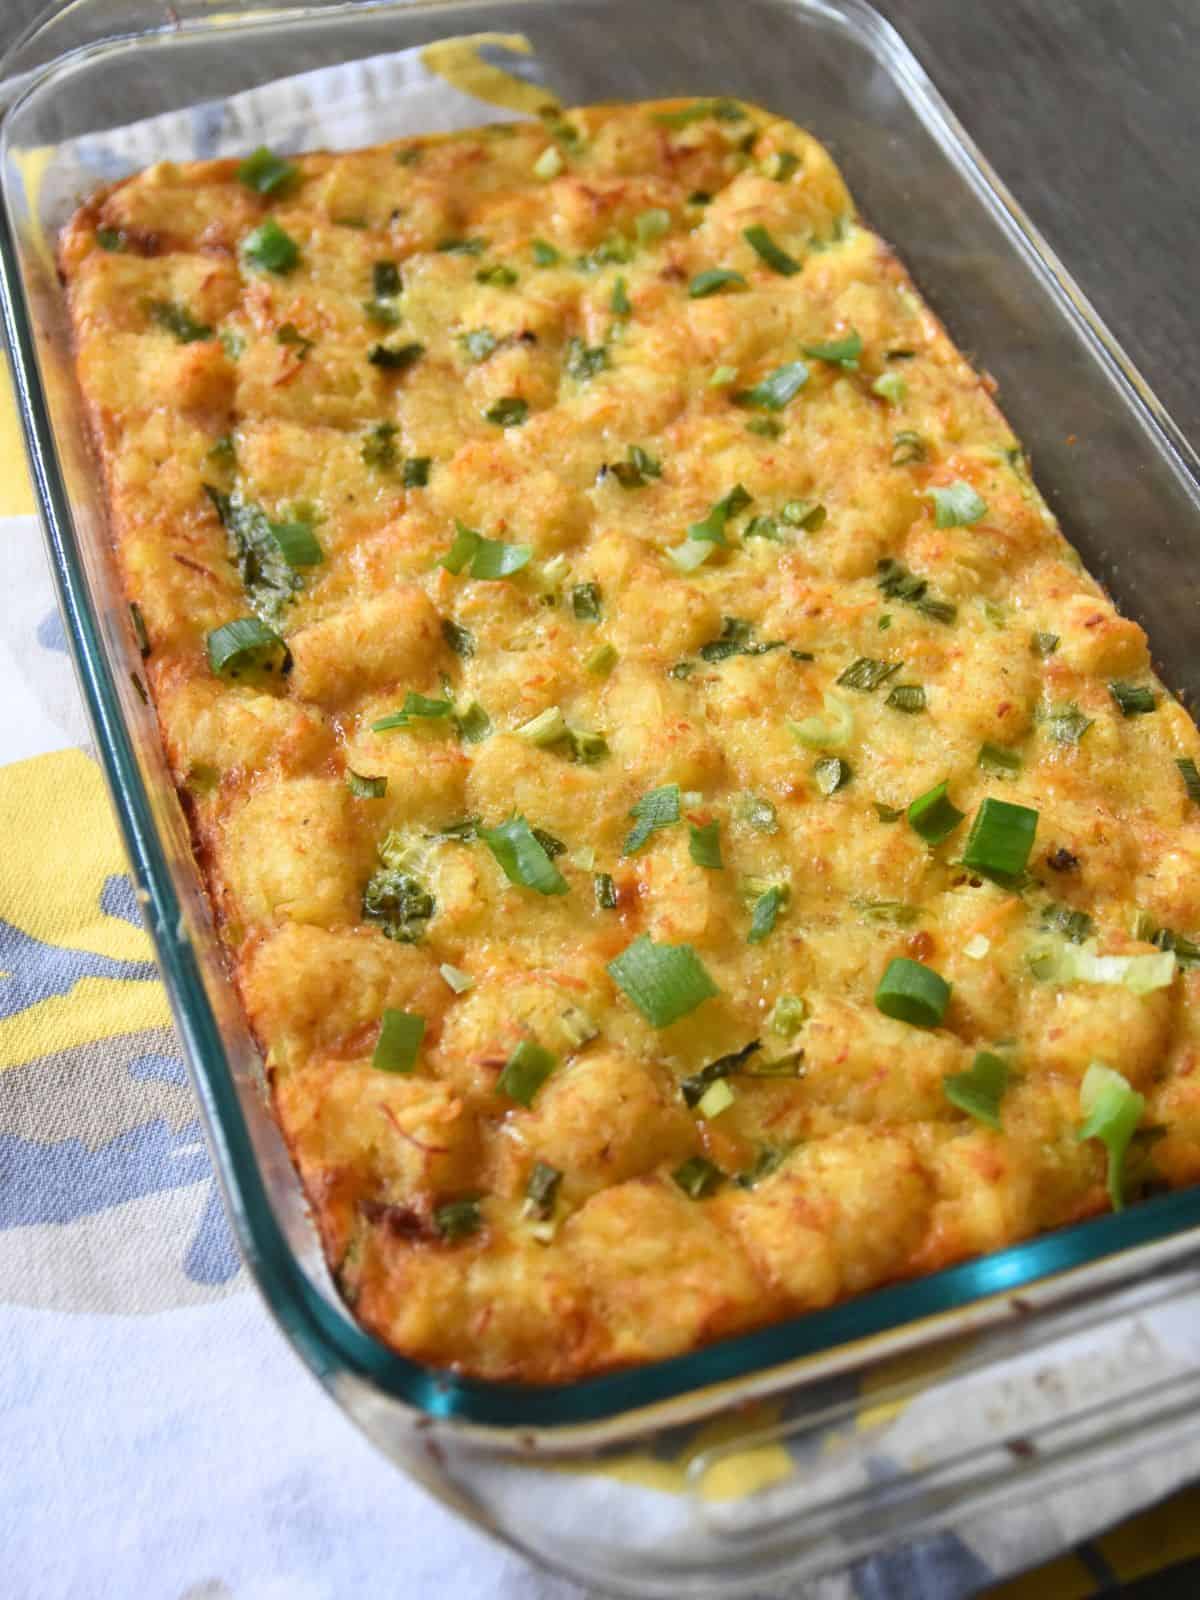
pixel 1088 110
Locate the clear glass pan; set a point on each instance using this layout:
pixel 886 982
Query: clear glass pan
pixel 1114 467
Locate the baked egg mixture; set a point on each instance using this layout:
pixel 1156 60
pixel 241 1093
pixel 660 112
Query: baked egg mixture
pixel 692 842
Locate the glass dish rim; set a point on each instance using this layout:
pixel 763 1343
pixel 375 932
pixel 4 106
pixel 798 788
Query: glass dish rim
pixel 331 1345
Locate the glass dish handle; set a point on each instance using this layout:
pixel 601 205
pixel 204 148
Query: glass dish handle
pixel 1025 1410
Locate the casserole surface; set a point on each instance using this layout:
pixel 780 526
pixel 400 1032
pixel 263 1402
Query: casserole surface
pixel 529 334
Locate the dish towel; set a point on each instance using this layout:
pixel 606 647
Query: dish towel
pixel 159 1437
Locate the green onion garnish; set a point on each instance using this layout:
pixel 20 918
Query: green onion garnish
pixel 549 164
pixel 887 813
pixel 768 1160
pixel 1073 925
pixel 382 313
pixel 547 728
pixel 605 891
pixel 788 1015
pixel 523 857
pixel 585 361
pixel 265 172
pixel 716 1098
pixel 270 248
pixel 243 645
pixel 1000 840
pixel 867 674
pixel 1133 699
pixel 602 660
pixel 713 280
pixel 1066 724
pixel 697 1177
pixel 664 981
pixel 385 280
pixel 139 629
pixel 911 992
pixel 907 697
pixel 736 639
pixel 400 1036
pixel 395 358
pixel 776 389
pixel 510 411
pixel 711 529
pixel 1112 1110
pixel 766 911
pixel 933 816
pixel 178 321
pixel 832 774
pixel 111 239
pixel 1044 644
pixel 544 255
pixel 472 725
pixel 541 1190
pixel 365 788
pixel 704 845
pixel 461 640
pixel 842 352
pixel 957 505
pixel 393 900
pixel 780 165
pixel 658 808
pixel 890 387
pixel 764 427
pixel 461 247
pixel 721 110
pixel 1191 777
pixel 907 447
pixel 525 1071
pixel 759 814
pixel 458 1219
pixel 898 583
pixel 418 707
pixel 761 242
pixel 618 302
pixel 586 602
pixel 456 978
pixel 693 1087
pixel 379 446
pixel 498 275
pixel 979 1090
pixel 651 225
pixel 999 762
pixel 478 344
pixel 807 514
pixel 488 558
pixel 632 474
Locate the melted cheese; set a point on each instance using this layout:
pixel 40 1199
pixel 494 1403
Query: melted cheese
pixel 568 290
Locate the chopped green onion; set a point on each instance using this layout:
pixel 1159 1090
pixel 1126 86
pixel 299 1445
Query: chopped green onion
pixel 842 352
pixel 113 240
pixel 1066 724
pixel 418 706
pixel 767 1161
pixel 832 774
pixel 907 697
pixel 998 761
pixel 498 275
pixel 1112 1110
pixel 651 225
pixel 379 446
pixel 830 732
pixel 472 725
pixel 544 255
pixel 979 1090
pixel 664 981
pixel 525 1071
pixel 1081 964
pixel 693 1088
pixel 697 1177
pixel 1073 925
pixel 584 361
pixel 769 253
pixel 601 661
pixel 1191 777
pixel 1000 840
pixel 461 640
pixel 365 788
pixel 705 845
pixel 713 280
pixel 510 411
pixel 759 814
pixel 766 911
pixel 1044 644
pixel 788 1015
pixel 547 728
pixel 586 602
pixel 541 1190
pixel 139 629
pixel 395 358
pixel 233 343
pixel 721 110
pixel 523 857
pixel 549 164
pixel 807 514
pixel 866 674
pixel 461 247
pixel 720 376
pixel 735 639
pixel 177 320
pixel 1133 699
pixel 488 558
pixel 765 427
pixel 605 891
pixel 711 529
pixel 270 248
pixel 933 816
pixel 458 1219
pixel 890 387
pixel 382 313
pixel 400 1036
pixel 898 583
pixel 618 302
pixel 957 505
pixel 907 447
pixel 385 280
pixel 242 645
pixel 457 979
pixel 911 992
pixel 716 1098
pixel 897 913
pixel 479 344
pixel 265 172
pixel 887 813
pixel 692 553
pixel 658 808
pixel 776 389
pixel 780 165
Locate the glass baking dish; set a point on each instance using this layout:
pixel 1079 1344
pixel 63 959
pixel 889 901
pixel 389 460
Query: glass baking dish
pixel 754 1461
